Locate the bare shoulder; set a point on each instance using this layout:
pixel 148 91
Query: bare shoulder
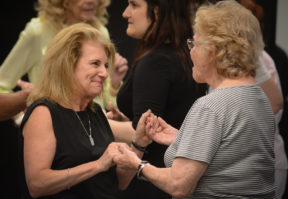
pixel 39 121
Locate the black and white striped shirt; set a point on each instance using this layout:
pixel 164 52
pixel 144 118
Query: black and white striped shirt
pixel 230 129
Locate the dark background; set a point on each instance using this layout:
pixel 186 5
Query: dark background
pixel 13 17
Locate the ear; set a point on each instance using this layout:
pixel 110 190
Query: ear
pixel 212 53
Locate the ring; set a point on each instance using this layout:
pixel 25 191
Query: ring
pixel 119 148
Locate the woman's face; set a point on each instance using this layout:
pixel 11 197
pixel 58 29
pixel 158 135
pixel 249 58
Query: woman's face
pixel 201 60
pixel 138 21
pixel 80 10
pixel 91 69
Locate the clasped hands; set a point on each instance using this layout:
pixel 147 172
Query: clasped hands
pixel 150 128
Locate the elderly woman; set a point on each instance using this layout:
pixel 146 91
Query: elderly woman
pixel 66 141
pixel 224 148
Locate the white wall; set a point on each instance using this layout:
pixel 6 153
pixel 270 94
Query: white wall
pixel 282 25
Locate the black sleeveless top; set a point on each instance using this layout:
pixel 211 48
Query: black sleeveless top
pixel 73 148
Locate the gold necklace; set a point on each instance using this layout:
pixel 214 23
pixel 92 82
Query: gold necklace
pixel 90 132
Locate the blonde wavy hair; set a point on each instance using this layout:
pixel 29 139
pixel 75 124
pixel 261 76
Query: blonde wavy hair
pixel 53 12
pixel 56 82
pixel 236 35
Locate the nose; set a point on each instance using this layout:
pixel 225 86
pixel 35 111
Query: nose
pixel 103 72
pixel 125 13
pixel 91 2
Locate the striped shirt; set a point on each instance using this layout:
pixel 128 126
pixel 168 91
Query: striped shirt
pixel 231 129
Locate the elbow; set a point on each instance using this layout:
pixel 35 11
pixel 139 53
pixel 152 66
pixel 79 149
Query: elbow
pixel 180 194
pixel 34 189
pixel 276 107
pixel 181 191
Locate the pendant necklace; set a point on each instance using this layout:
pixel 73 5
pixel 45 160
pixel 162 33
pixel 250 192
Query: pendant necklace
pixel 90 132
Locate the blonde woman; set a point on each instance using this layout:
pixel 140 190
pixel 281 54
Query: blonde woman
pixel 67 145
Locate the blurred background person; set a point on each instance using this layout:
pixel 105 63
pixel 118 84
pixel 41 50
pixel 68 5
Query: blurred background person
pixel 206 159
pixel 160 77
pixel 276 99
pixel 66 144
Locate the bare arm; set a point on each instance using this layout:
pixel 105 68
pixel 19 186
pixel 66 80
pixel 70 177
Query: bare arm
pixel 118 73
pixel 179 181
pixel 274 94
pixel 39 151
pixel 122 131
pixel 12 103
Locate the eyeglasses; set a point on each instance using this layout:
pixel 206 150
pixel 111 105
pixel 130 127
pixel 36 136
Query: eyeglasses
pixel 191 43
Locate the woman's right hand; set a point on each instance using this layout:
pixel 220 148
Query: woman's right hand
pixel 106 160
pixel 159 131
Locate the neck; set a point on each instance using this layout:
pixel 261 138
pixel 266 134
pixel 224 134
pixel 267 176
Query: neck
pixel 222 82
pixel 77 104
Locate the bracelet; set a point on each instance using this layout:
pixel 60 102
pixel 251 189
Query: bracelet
pixel 140 148
pixel 142 164
pixel 68 178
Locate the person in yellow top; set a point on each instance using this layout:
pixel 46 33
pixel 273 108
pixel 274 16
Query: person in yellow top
pixel 53 15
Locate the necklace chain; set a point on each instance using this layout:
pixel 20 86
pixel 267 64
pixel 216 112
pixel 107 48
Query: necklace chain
pixel 90 132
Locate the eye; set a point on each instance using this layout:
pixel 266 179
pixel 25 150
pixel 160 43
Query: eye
pixel 133 4
pixel 106 66
pixel 96 63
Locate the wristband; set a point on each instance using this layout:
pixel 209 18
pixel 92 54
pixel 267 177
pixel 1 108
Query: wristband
pixel 140 148
pixel 142 164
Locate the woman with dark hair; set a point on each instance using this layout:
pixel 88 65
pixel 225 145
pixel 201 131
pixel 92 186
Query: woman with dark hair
pixel 160 78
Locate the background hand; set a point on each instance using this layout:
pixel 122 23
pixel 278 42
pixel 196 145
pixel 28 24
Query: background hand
pixel 119 71
pixel 115 114
pixel 25 86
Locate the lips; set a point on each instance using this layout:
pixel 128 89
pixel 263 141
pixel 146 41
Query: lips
pixel 97 82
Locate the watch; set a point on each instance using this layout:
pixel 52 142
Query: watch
pixel 142 164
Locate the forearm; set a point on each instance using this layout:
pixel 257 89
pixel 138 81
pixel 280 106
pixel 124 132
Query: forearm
pixel 48 182
pixel 12 103
pixel 125 175
pixel 162 178
pixel 122 131
pixel 180 180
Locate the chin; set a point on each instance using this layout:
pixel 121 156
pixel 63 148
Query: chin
pixel 132 34
pixel 197 79
pixel 129 33
pixel 96 92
